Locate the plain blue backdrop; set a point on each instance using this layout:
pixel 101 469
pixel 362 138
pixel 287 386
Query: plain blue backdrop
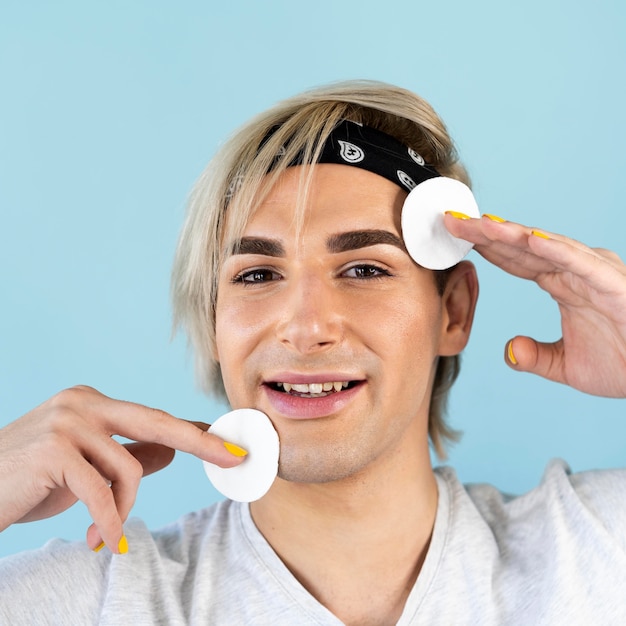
pixel 109 111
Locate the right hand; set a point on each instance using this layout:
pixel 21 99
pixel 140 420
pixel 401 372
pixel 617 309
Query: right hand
pixel 63 451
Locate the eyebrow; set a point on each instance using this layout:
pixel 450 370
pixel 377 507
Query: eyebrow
pixel 341 242
pixel 258 245
pixel 355 239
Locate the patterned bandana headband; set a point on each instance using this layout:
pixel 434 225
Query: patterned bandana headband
pixel 354 144
pixel 430 195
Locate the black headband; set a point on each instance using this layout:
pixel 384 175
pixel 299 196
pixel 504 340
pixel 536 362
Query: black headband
pixel 430 195
pixel 351 143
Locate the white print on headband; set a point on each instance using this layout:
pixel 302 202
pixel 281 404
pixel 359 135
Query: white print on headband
pixel 351 153
pixel 418 158
pixel 406 180
pixel 234 186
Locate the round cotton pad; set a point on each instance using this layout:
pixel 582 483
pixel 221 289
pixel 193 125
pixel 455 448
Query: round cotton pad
pixel 253 431
pixel 425 236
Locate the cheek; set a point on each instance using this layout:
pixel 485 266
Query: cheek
pixel 238 326
pixel 411 358
pixel 404 319
pixel 226 333
pixel 412 333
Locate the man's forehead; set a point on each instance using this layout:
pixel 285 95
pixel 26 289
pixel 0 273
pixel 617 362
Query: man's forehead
pixel 344 195
pixel 320 177
pixel 355 209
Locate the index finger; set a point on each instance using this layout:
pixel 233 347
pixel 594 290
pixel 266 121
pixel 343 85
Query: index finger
pixel 536 255
pixel 503 243
pixel 142 423
pixel 183 435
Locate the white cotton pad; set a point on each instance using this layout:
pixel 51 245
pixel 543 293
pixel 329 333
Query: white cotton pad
pixel 253 431
pixel 426 238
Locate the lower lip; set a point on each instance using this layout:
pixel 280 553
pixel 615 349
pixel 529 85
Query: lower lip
pixel 302 408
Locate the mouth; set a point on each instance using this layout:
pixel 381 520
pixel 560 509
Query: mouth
pixel 313 390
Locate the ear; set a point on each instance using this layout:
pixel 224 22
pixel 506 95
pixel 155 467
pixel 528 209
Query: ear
pixel 459 303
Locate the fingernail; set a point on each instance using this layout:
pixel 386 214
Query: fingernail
pixel 122 546
pixel 458 215
pixel 494 218
pixel 235 450
pixel 538 233
pixel 509 351
pixel 99 547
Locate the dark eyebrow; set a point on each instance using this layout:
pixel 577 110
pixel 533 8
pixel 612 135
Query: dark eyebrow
pixel 258 245
pixel 342 242
pixel 353 240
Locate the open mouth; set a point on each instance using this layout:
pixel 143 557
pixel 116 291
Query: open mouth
pixel 313 390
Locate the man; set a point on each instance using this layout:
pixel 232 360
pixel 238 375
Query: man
pixel 301 300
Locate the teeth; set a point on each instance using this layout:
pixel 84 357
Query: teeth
pixel 314 388
pixel 301 388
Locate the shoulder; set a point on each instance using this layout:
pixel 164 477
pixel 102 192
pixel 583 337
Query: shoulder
pixel 40 586
pixel 599 494
pixel 603 494
pixel 155 566
pixel 586 508
pixel 556 552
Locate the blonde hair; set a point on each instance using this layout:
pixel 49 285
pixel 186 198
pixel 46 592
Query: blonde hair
pixel 237 179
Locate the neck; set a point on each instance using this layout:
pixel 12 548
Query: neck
pixel 357 545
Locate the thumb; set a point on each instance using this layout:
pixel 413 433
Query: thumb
pixel 524 354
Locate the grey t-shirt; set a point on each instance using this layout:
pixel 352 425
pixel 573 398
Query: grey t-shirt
pixel 556 555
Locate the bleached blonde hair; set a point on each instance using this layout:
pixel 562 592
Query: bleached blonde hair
pixel 244 171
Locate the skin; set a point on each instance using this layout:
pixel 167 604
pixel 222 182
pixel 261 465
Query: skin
pixel 62 451
pixel 589 287
pixel 326 306
pixel 333 531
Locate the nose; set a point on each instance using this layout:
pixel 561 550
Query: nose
pixel 311 317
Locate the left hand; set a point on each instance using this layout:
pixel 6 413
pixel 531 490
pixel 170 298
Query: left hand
pixel 589 286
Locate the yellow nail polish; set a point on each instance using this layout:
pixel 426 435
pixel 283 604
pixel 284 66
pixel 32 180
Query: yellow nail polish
pixel 538 233
pixel 99 547
pixel 235 450
pixel 509 351
pixel 458 215
pixel 122 546
pixel 494 218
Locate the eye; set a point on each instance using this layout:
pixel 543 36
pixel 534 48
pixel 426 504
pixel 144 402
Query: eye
pixel 256 276
pixel 365 272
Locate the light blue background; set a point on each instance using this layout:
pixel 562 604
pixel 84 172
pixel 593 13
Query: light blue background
pixel 109 111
